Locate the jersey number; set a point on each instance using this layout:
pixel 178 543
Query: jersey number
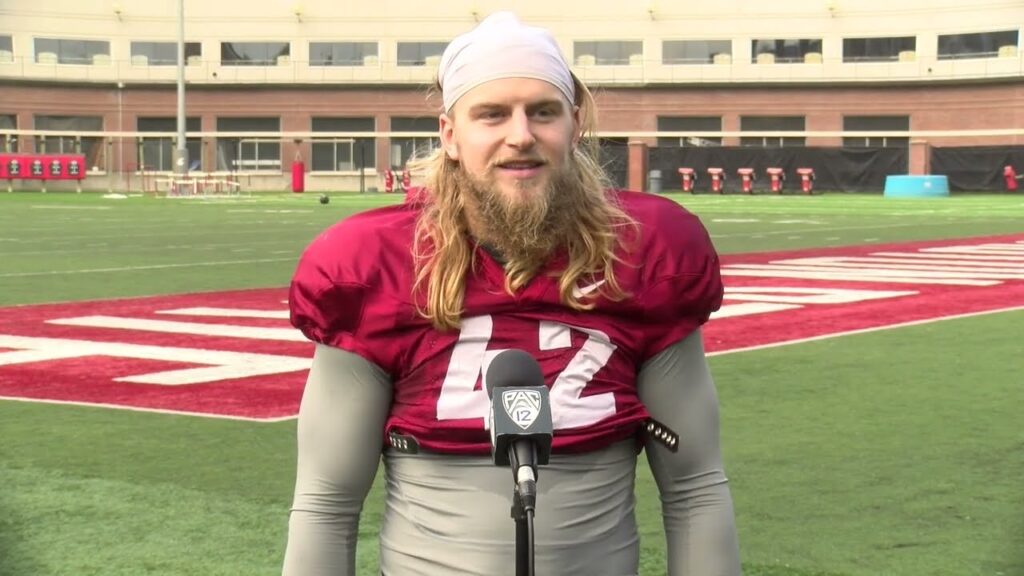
pixel 460 399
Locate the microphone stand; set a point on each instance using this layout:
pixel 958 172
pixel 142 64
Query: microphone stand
pixel 522 512
pixel 524 536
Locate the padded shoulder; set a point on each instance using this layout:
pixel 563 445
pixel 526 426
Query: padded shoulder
pixel 681 278
pixel 361 263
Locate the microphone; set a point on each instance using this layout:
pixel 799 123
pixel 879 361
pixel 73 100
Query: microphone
pixel 521 426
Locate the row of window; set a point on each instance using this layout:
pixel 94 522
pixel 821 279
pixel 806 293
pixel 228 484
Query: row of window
pixel 70 51
pixel 351 154
pixel 598 53
pixel 237 154
pixel 782 124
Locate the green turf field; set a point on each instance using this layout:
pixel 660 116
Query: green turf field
pixel 897 452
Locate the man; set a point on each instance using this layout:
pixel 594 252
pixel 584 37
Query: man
pixel 515 242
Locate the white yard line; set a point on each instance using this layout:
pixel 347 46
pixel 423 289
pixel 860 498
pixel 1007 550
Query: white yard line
pixel 154 410
pixel 137 268
pixel 830 229
pixel 58 207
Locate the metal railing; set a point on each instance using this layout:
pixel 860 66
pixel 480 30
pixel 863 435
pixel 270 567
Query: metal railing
pixel 738 69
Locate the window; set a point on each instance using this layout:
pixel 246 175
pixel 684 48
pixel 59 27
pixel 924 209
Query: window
pixel 876 49
pixel 341 53
pixel 784 51
pixel 253 53
pixel 60 51
pixel 249 154
pixel 8 142
pixel 72 143
pixel 157 153
pixel 405 148
pixel 6 49
pixel 162 53
pixel 694 51
pixel 690 124
pixel 420 53
pixel 343 154
pixel 979 45
pixel 772 124
pixel 876 124
pixel 609 52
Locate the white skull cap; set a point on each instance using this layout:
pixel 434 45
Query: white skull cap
pixel 501 47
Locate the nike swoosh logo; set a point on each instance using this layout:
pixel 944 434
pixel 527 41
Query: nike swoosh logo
pixel 579 292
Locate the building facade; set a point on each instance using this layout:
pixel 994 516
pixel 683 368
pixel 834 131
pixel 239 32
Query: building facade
pixel 345 88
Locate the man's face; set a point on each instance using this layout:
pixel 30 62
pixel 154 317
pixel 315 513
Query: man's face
pixel 512 138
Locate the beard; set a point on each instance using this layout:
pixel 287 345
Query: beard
pixel 526 227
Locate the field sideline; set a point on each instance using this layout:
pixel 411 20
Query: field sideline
pixel 894 451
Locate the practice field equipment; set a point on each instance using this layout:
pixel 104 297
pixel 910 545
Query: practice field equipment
pixel 42 167
pixel 1011 177
pixel 747 177
pixel 717 179
pixel 806 179
pixel 689 177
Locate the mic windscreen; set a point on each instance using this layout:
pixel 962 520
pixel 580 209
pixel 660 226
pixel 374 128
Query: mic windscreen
pixel 513 368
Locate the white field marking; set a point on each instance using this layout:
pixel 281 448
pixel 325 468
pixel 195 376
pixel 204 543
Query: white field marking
pixel 137 268
pixel 871 239
pixel 990 249
pixel 830 238
pixel 718 353
pixel 148 234
pixel 228 312
pixel 268 211
pixel 796 341
pixel 119 247
pixel 736 220
pixel 153 410
pixel 941 261
pixel 782 266
pixel 808 274
pixel 864 331
pixel 796 222
pixel 793 237
pixel 749 308
pixel 838 228
pixel 801 295
pixel 175 327
pixel 216 365
pixel 45 207
pixel 880 263
pixel 979 257
pixel 881 270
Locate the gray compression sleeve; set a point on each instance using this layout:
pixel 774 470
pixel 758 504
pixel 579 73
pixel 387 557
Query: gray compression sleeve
pixel 340 435
pixel 678 391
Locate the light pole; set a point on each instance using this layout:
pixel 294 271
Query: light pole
pixel 181 152
pixel 120 129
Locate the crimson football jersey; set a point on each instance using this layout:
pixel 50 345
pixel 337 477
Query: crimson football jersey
pixel 353 290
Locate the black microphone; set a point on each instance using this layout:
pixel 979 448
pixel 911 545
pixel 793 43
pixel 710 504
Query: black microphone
pixel 521 426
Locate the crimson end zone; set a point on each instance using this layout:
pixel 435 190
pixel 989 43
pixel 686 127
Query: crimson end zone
pixel 234 355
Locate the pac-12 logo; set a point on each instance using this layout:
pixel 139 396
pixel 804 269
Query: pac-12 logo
pixel 522 406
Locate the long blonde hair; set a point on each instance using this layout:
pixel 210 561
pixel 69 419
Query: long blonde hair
pixel 444 255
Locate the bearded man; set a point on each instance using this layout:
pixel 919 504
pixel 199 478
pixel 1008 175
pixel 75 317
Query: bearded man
pixel 515 241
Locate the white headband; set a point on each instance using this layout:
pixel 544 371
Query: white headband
pixel 501 47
